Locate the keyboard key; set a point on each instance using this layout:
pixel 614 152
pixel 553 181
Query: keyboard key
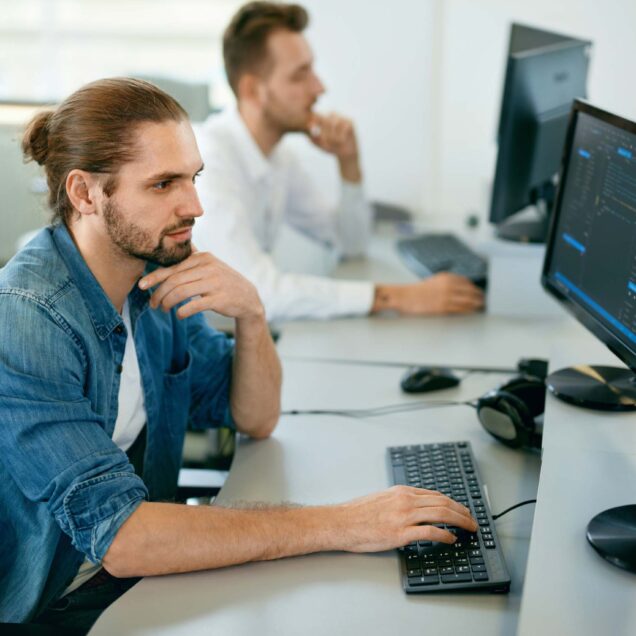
pixel 480 576
pixel 456 578
pixel 478 567
pixel 424 580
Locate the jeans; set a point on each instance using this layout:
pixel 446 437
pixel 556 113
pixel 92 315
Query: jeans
pixel 82 607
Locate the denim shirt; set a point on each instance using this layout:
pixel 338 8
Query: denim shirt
pixel 65 487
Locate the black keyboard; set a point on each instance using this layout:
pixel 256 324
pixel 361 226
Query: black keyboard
pixel 431 253
pixel 475 560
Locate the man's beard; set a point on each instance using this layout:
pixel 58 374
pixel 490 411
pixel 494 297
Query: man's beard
pixel 276 117
pixel 136 242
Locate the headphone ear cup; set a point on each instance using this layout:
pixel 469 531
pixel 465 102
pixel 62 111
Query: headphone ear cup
pixel 507 417
pixel 498 413
pixel 531 391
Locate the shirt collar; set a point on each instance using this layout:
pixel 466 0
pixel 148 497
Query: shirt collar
pixel 101 310
pixel 257 164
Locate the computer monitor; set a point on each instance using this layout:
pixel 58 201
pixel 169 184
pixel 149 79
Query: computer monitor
pixel 590 266
pixel 545 72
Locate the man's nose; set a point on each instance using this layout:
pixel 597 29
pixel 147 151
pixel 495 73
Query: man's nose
pixel 191 207
pixel 318 86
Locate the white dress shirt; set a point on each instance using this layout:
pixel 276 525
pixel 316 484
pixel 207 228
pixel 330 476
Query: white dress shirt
pixel 246 197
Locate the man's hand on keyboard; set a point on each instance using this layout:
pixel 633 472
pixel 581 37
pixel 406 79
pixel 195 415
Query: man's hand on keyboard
pixel 443 293
pixel 395 517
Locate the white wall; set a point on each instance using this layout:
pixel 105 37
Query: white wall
pixel 423 81
pixel 472 63
pixel 375 59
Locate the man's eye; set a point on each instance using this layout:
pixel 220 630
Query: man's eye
pixel 162 185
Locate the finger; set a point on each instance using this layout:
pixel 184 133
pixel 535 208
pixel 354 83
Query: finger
pixel 195 306
pixel 161 274
pixel 155 277
pixel 431 533
pixel 466 300
pixel 330 127
pixel 314 125
pixel 462 308
pixel 461 285
pixel 343 130
pixel 175 280
pixel 440 500
pixel 183 292
pixel 441 514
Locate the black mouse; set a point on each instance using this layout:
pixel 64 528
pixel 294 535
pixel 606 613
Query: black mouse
pixel 424 379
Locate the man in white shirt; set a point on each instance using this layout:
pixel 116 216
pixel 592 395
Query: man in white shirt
pixel 253 183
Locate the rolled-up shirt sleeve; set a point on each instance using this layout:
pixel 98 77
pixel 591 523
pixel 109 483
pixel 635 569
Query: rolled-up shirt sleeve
pixel 52 441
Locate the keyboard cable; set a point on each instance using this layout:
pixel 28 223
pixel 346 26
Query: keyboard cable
pixel 518 505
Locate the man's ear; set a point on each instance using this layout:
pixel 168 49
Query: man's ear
pixel 81 189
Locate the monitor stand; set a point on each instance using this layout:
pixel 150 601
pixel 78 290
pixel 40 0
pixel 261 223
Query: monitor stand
pixel 612 533
pixel 595 387
pixel 530 225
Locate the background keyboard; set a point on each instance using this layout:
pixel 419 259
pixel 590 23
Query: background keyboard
pixel 428 254
pixel 474 561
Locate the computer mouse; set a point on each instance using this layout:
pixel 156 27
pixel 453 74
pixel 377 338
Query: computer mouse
pixel 425 379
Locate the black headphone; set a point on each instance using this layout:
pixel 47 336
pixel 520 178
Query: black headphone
pixel 513 413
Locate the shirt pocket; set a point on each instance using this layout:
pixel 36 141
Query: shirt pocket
pixel 175 407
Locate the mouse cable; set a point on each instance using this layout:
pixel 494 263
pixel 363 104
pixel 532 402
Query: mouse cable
pixel 377 411
pixel 403 365
pixel 362 413
pixel 507 510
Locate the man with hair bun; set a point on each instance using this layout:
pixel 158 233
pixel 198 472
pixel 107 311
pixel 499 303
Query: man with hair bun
pixel 106 357
pixel 254 183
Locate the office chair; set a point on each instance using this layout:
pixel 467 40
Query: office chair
pixel 194 97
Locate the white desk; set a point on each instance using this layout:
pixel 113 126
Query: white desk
pixel 588 465
pixel 315 460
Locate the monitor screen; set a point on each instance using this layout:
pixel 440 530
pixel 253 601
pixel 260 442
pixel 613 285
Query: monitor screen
pixel 590 262
pixel 545 72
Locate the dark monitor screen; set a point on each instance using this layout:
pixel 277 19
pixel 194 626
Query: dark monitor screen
pixel 544 74
pixel 590 265
pixel 590 262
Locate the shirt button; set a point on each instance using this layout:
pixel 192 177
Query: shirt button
pixel 119 330
pixel 119 368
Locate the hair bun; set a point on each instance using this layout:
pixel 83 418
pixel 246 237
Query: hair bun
pixel 35 141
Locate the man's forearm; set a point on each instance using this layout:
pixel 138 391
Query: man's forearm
pixel 162 538
pixel 256 379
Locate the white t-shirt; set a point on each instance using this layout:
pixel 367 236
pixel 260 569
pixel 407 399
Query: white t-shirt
pixel 131 418
pixel 246 197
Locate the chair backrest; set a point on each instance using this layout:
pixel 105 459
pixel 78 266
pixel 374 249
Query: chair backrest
pixel 194 97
